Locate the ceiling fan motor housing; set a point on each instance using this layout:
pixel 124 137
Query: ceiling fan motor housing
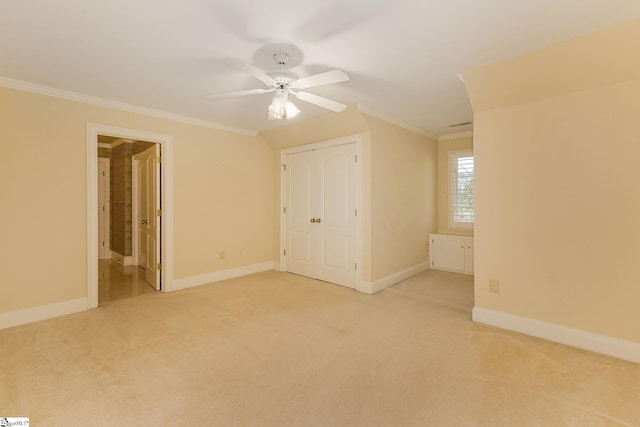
pixel 283 78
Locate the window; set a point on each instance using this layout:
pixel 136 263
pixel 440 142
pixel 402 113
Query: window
pixel 461 189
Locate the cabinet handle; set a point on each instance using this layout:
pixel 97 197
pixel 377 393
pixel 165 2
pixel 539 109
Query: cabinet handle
pixel 313 220
pixel 318 220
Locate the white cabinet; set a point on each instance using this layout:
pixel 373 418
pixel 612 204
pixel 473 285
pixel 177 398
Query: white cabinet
pixel 451 253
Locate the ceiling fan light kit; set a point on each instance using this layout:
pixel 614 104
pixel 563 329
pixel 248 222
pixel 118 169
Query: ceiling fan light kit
pixel 282 81
pixel 281 107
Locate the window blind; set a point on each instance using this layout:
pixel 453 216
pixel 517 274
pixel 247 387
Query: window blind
pixel 463 190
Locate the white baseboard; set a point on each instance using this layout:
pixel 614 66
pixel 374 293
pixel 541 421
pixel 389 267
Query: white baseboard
pixel 622 349
pixel 216 276
pixel 124 260
pixel 35 314
pixel 373 287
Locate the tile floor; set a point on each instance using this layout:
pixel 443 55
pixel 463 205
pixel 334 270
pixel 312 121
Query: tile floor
pixel 116 282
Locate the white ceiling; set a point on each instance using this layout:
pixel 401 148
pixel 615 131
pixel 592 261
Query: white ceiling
pixel 402 55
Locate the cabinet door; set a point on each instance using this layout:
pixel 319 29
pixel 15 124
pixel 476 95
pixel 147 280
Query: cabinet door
pixel 448 253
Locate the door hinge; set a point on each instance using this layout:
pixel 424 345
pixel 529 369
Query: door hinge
pixel 159 159
pixel 356 266
pixel 285 252
pixel 285 209
pixel 284 168
pixel 159 212
pixel 356 212
pixel 159 266
pixel 356 158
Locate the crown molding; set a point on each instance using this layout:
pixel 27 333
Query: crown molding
pixel 368 111
pixel 116 105
pixel 450 136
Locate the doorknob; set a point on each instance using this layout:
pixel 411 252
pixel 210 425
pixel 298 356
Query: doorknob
pixel 313 220
pixel 318 220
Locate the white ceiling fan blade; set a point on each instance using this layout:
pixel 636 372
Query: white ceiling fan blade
pixel 326 78
pixel 258 74
pixel 320 101
pixel 238 93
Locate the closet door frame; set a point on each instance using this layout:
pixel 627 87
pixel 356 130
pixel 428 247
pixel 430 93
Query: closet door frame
pixel 352 139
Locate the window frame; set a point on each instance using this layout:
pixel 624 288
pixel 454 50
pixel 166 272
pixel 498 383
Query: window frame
pixel 454 155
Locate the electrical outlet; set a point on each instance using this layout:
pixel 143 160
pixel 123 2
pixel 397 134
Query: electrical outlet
pixel 222 255
pixel 494 286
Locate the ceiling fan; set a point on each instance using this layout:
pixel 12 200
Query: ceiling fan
pixel 284 83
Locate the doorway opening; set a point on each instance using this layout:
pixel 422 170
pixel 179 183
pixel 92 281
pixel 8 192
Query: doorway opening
pixel 129 212
pixel 129 216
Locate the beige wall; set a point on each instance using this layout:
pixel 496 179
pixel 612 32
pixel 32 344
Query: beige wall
pixel 319 128
pixel 444 146
pixel 316 129
pixel 599 59
pixel 557 190
pixel 399 186
pixel 403 197
pixel 224 196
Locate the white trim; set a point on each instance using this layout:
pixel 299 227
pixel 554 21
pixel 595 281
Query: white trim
pixel 43 312
pixel 357 139
pixel 450 136
pixel 121 259
pixel 622 349
pixel 166 143
pixel 216 276
pixel 343 140
pixel 368 111
pixel 107 216
pixel 135 215
pixel 374 287
pixel 116 105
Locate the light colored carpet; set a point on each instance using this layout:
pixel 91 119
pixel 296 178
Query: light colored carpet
pixel 275 349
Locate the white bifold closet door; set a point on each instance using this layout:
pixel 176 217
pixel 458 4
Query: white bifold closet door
pixel 320 218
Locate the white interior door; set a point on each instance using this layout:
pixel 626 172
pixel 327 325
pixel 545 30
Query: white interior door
pixel 104 208
pixel 320 199
pixel 301 207
pixel 336 224
pixel 152 270
pixel 140 210
pixel 148 214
